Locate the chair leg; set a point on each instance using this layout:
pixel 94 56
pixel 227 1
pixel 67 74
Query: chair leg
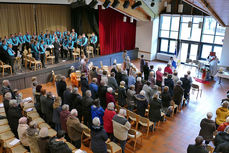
pixel 147 131
pixel 3 72
pixel 11 70
pixel 135 142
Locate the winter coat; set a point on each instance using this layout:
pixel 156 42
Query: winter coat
pixel 221 115
pixel 120 127
pixel 102 95
pixel 223 148
pixel 154 110
pixel 207 128
pixel 130 97
pixel 56 115
pixel 146 72
pixel 6 105
pixel 165 99
pixel 98 140
pixel 49 109
pixel 84 85
pixel 148 92
pixel 32 135
pixel 121 96
pixel 76 100
pixel 58 146
pixel 170 84
pixel 43 144
pixel 94 90
pixel 220 138
pixel 168 70
pixel 107 120
pixel 104 78
pixel 142 104
pixel 74 128
pixel 43 100
pixel 118 77
pixel 86 107
pixel 67 97
pixel 138 87
pixel 222 126
pixel 109 98
pixel 61 87
pixel 63 119
pixel 112 83
pixel 196 149
pixel 178 94
pixel 97 112
pixel 22 134
pixel 125 79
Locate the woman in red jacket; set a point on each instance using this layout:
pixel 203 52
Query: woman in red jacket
pixel 109 96
pixel 107 120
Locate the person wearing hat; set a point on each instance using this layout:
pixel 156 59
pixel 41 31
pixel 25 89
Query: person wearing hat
pixel 43 140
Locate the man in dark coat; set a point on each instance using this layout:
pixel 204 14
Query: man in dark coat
pixel 6 101
pixel 102 94
pixel 154 110
pixel 67 96
pixel 14 114
pixel 186 85
pixel 7 88
pixel 84 84
pixel 169 82
pixel 57 48
pixel 86 105
pixel 146 71
pixel 207 126
pixel 141 102
pixel 178 93
pixel 122 94
pixel 76 100
pixel 142 63
pixel 198 147
pixel 49 108
pixel 61 87
pixel 223 148
pixel 125 78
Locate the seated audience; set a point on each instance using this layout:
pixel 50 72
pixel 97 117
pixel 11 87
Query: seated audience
pixel 207 128
pixel 198 147
pixel 130 97
pixel 107 119
pixel 222 113
pixel 32 135
pixel 14 114
pixel 223 125
pixel 43 140
pixel 97 111
pixel 74 128
pixel 86 108
pixel 221 138
pixel 56 113
pixel 64 116
pixel 98 137
pixel 102 94
pixel 112 81
pixel 122 94
pixel 120 128
pixel 154 110
pixel 22 128
pixel 110 96
pixel 141 103
pixel 138 85
pixel 57 144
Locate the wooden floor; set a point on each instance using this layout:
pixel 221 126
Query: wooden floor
pixel 174 135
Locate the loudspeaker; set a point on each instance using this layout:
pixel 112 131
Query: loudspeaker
pixel 93 3
pixel 115 3
pixel 126 4
pixel 107 3
pixel 136 5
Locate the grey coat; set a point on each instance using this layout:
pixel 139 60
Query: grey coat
pixel 112 83
pixel 130 97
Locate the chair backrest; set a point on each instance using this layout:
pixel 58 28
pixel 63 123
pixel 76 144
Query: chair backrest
pixel 132 132
pixel 195 86
pixel 143 120
pixel 132 115
pixel 47 53
pixel 109 148
pixel 188 60
pixel 1 63
pixel 91 48
pixel 78 50
pixel 86 131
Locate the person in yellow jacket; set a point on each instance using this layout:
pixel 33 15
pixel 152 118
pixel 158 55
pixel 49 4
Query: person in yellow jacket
pixel 222 113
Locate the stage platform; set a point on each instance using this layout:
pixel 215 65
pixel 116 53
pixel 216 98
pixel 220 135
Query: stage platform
pixel 22 80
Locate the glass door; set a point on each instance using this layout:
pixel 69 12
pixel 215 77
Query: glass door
pixel 189 51
pixel 193 51
pixel 184 52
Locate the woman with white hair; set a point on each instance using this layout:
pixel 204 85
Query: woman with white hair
pixel 43 140
pixel 110 96
pixel 22 127
pixel 142 103
pixel 122 94
pixel 98 137
pixel 107 119
pixel 207 128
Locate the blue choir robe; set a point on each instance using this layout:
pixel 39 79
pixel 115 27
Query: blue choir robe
pixel 40 37
pixel 0 43
pixel 58 34
pixel 84 41
pixel 4 47
pixel 14 41
pixel 10 51
pixel 27 38
pixel 65 33
pixel 48 41
pixel 42 49
pixel 32 48
pixel 70 44
pixel 79 41
pixel 74 38
pixel 9 41
pixel 65 44
pixel 21 40
pixel 36 48
pixel 94 39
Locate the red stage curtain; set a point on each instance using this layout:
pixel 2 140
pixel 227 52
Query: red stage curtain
pixel 114 34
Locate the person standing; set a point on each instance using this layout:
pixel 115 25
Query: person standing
pixel 142 63
pixel 42 53
pixel 198 147
pixel 94 40
pixel 84 43
pixel 57 48
pixel 213 61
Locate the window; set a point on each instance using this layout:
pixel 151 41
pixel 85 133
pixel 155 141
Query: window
pixel 185 31
pixel 209 26
pixel 169 26
pixel 218 51
pixel 206 49
pixel 172 46
pixel 164 45
pixel 165 22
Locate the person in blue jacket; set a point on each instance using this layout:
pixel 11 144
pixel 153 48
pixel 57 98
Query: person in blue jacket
pixel 97 111
pixel 48 42
pixel 11 54
pixel 42 53
pixel 94 40
pixel 84 43
pixel 27 38
pixel 15 43
pixel 65 48
pixel 70 46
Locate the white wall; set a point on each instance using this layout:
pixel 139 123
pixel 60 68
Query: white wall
pixel 225 52
pixel 146 38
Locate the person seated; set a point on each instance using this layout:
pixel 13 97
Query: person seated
pixel 11 56
pixel 221 138
pixel 130 97
pixel 64 116
pixel 168 69
pixel 57 144
pixel 223 125
pixel 222 113
pixel 13 115
pixel 74 128
pixel 138 85
pixel 98 137
pixel 141 103
pixel 43 140
pixel 198 147
pixel 22 128
pixel 110 96
pixel 97 111
pixel 112 81
pixel 207 126
pixel 122 94
pixel 109 113
pixel 94 88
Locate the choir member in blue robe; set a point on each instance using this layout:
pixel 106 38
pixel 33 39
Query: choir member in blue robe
pixel 94 40
pixel 11 56
pixel 70 47
pixel 15 43
pixel 65 33
pixel 58 33
pixel 27 38
pixel 36 50
pixel 84 43
pixel 42 53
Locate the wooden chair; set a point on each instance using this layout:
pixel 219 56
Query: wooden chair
pixel 145 122
pixel 34 62
pixel 5 66
pixel 90 51
pixel 196 87
pixel 8 145
pixel 133 117
pixel 113 147
pixel 86 132
pixel 71 146
pixel 3 122
pixel 49 57
pixel 133 135
pixel 17 149
pixel 18 63
pixel 51 132
pixel 76 53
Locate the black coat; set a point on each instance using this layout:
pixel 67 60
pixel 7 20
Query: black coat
pixel 67 97
pixel 102 96
pixel 125 79
pixel 220 138
pixel 166 99
pixel 43 100
pixel 121 96
pixel 178 94
pixel 49 109
pixel 86 105
pixel 7 89
pixel 43 144
pixel 146 72
pixel 154 110
pixel 118 77
pixel 76 100
pixel 6 105
pixel 207 128
pixel 61 87
pixel 84 85
pixel 58 146
pixel 38 102
pixel 223 148
pixel 142 104
pixel 196 149
pixel 98 139
pixel 14 114
pixel 170 84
